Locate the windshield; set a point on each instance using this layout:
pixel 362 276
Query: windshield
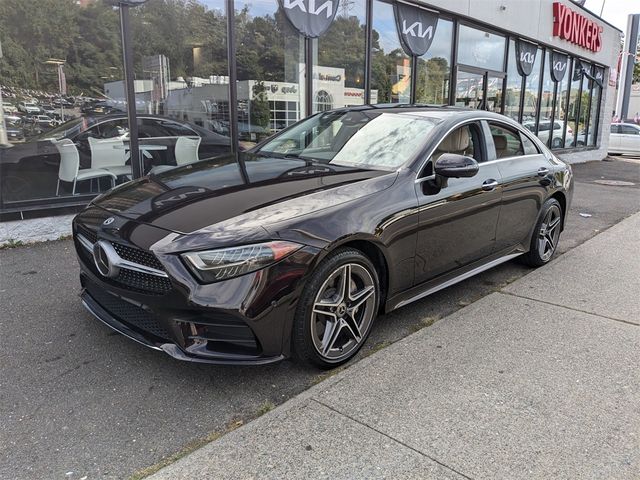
pixel 66 130
pixel 368 139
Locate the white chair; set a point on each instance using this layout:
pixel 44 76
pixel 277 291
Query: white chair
pixel 69 170
pixel 109 154
pixel 186 151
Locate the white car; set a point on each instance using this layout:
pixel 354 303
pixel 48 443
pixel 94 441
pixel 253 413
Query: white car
pixel 544 128
pixel 28 107
pixel 624 138
pixel 9 108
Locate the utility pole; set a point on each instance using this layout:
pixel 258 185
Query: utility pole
pixel 4 140
pixel 626 69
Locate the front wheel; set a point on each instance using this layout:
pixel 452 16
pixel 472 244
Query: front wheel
pixel 337 309
pixel 546 234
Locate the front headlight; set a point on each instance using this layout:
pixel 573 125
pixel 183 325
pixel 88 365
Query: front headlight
pixel 222 264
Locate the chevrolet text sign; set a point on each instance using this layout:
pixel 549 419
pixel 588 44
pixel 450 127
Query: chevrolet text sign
pixel 310 17
pixel 576 28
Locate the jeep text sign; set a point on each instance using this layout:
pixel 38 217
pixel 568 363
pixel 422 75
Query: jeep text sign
pixel 310 17
pixel 416 28
pixel 526 56
pixel 576 28
pixel 559 62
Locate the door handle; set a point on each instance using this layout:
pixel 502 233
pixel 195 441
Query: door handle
pixel 489 185
pixel 543 171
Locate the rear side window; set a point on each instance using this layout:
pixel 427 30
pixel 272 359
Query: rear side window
pixel 615 129
pixel 528 146
pixel 506 141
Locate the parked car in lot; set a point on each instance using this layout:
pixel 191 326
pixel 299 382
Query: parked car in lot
pixel 28 108
pixel 544 128
pixel 15 134
pixel 296 249
pixel 9 108
pixel 43 121
pixel 624 139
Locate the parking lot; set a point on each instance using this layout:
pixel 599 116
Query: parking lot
pixel 78 400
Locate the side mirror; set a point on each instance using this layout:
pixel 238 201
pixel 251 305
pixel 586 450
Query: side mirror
pixel 452 165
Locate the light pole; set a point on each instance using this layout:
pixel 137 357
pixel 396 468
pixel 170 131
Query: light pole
pixel 62 82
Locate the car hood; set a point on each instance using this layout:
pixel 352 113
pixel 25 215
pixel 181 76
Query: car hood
pixel 217 197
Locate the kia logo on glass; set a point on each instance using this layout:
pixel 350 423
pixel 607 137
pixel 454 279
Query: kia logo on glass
pixel 559 63
pixel 422 32
pixel 310 17
pixel 526 55
pixel 416 28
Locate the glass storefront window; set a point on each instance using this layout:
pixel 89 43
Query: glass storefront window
pixel 531 89
pixel 51 81
pixel 391 74
pixel 545 127
pixel 182 87
pixel 596 98
pixel 514 85
pixel 434 67
pixel 574 96
pixel 585 98
pixel 338 66
pixel 480 49
pixel 271 71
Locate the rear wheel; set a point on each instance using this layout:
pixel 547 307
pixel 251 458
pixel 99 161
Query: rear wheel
pixel 546 234
pixel 337 309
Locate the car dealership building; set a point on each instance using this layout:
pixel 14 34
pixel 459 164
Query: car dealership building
pixel 547 64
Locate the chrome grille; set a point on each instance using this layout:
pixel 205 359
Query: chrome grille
pixel 137 255
pixel 128 276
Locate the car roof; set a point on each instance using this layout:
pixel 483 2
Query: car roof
pixel 444 112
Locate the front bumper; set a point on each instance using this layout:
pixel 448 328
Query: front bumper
pixel 245 320
pixel 169 348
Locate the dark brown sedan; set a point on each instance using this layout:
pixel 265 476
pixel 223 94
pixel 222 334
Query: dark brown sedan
pixel 294 248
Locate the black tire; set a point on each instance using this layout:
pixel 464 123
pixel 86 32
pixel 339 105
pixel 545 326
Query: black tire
pixel 346 322
pixel 546 235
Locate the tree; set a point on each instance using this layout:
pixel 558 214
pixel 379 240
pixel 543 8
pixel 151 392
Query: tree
pixel 260 113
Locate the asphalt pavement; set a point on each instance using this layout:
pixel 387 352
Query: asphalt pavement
pixel 78 400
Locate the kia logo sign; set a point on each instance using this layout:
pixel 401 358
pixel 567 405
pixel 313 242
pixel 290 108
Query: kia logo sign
pixel 559 62
pixel 526 55
pixel 310 17
pixel 416 28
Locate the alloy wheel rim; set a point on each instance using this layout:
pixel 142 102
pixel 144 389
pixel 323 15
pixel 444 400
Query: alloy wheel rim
pixel 549 233
pixel 343 311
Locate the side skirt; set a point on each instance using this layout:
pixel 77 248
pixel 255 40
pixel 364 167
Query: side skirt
pixel 433 286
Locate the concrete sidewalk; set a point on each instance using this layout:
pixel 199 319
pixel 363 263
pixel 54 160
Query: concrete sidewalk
pixel 539 380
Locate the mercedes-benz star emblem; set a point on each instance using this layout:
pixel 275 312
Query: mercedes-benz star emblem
pixel 103 257
pixel 109 221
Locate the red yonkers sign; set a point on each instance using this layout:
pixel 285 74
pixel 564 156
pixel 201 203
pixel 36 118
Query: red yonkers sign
pixel 576 28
